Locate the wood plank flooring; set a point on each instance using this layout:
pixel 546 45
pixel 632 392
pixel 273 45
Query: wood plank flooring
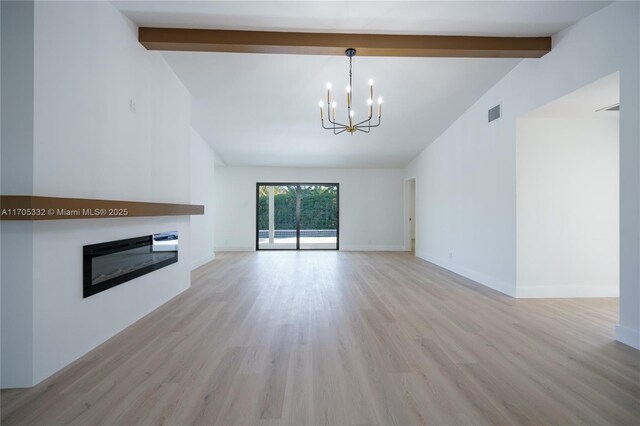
pixel 346 338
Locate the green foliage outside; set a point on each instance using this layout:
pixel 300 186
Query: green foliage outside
pixel 318 207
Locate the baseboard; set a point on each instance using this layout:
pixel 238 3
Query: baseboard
pixel 342 248
pixel 476 276
pixel 560 292
pixel 235 248
pixel 372 248
pixel 628 336
pixel 204 259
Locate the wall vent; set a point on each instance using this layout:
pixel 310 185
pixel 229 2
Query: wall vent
pixel 614 107
pixel 494 113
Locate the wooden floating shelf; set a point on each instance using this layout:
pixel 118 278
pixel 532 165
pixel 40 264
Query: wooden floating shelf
pixel 31 207
pixel 207 40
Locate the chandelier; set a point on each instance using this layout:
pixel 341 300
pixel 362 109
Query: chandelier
pixel 353 126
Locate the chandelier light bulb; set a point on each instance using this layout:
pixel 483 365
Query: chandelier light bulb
pixel 370 82
pixel 320 104
pixel 348 89
pixel 351 113
pixel 380 100
pixel 328 86
pixel 333 104
pixel 369 101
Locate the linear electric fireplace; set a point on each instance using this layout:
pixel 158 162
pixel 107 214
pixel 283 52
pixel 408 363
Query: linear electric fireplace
pixel 106 265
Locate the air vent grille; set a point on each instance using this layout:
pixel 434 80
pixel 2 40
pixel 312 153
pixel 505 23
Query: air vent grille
pixel 494 113
pixel 614 107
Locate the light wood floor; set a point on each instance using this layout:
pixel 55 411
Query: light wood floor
pixel 346 339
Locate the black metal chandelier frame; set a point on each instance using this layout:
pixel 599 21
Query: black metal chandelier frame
pixel 365 125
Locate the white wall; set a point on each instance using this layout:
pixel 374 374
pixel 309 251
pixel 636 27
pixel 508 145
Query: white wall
pixel 89 66
pixel 202 178
pixel 17 97
pixel 466 202
pixel 89 142
pixel 66 326
pixel 568 206
pixel 464 212
pixel 371 204
pixel 16 173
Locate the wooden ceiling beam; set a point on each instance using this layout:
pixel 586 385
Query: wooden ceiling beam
pixel 198 40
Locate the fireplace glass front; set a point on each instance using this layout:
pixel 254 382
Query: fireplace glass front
pixel 115 262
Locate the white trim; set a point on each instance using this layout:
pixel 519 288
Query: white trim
pixel 628 336
pixel 204 259
pixel 478 277
pixel 372 248
pixel 236 248
pixel 566 292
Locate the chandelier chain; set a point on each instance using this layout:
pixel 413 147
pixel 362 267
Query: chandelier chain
pixel 350 87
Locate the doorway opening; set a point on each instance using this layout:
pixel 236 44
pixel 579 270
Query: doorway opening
pixel 567 195
pixel 410 215
pixel 297 216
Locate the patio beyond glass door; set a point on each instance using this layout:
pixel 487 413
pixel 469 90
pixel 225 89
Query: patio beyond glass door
pixel 297 216
pixel 277 205
pixel 318 216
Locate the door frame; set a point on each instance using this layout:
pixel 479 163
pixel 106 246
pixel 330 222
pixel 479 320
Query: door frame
pixel 406 202
pixel 298 184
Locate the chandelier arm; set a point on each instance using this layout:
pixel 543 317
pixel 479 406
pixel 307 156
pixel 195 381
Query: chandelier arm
pixel 363 121
pixel 339 126
pixel 331 121
pixel 376 125
pixel 363 131
pixel 341 131
pixel 325 127
pixel 335 122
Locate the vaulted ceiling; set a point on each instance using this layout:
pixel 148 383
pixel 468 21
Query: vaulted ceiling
pixel 262 109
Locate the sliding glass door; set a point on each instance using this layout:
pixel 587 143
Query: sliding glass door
pixel 318 216
pixel 297 216
pixel 277 205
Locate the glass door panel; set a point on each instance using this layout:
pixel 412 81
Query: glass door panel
pixel 318 216
pixel 297 216
pixel 277 220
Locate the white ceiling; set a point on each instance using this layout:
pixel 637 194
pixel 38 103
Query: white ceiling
pixel 257 109
pixel 263 109
pixel 500 18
